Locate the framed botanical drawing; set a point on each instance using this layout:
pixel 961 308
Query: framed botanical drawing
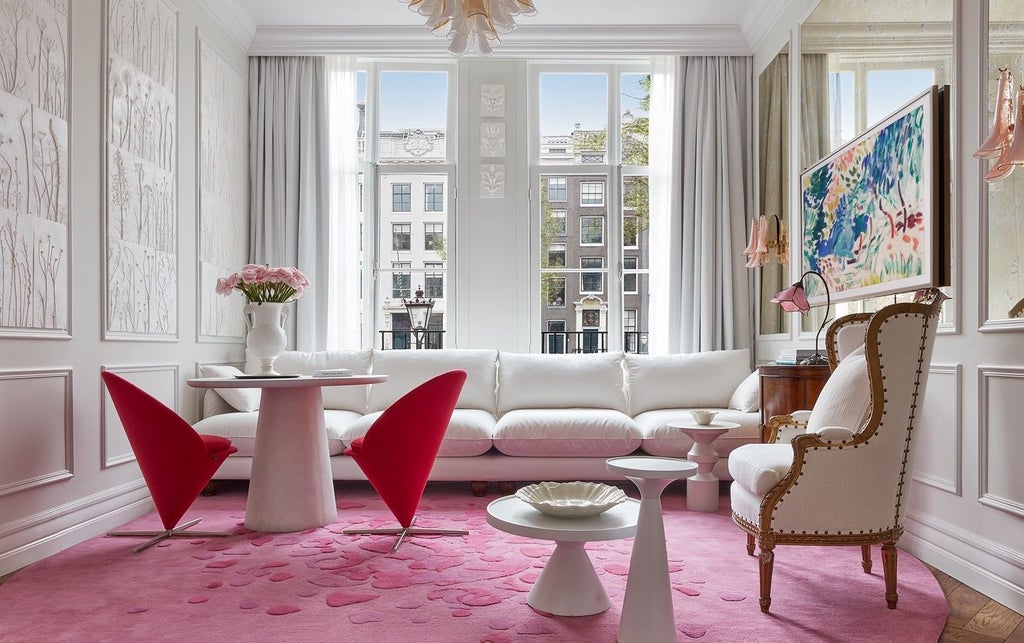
pixel 34 213
pixel 875 212
pixel 141 129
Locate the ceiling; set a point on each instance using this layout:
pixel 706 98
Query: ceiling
pixel 549 12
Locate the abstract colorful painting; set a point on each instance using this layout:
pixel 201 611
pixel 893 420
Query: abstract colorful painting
pixel 873 212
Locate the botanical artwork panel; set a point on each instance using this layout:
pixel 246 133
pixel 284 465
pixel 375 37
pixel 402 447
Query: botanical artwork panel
pixel 223 197
pixel 873 216
pixel 492 100
pixel 141 190
pixel 34 214
pixel 492 181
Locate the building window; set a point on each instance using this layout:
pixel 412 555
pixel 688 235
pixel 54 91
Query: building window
pixel 592 159
pixel 558 223
pixel 554 291
pixel 556 150
pixel 433 197
pixel 592 231
pixel 401 197
pixel 629 231
pixel 433 280
pixel 591 193
pixel 433 236
pixel 401 281
pixel 401 236
pixel 556 255
pixel 629 275
pixel 558 189
pixel 591 282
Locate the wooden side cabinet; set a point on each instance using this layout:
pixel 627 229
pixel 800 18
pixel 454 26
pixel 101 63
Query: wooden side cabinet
pixel 786 388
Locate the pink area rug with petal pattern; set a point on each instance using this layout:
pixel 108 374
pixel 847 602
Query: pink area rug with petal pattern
pixel 320 585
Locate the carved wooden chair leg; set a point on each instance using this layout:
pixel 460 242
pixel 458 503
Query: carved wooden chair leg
pixel 478 488
pixel 750 544
pixel 889 571
pixel 211 488
pixel 507 487
pixel 865 558
pixel 765 564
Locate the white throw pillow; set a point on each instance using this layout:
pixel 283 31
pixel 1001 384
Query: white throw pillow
pixel 747 396
pixel 243 399
pixel 845 400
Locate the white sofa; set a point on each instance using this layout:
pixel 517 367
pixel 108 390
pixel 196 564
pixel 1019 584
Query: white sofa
pixel 521 416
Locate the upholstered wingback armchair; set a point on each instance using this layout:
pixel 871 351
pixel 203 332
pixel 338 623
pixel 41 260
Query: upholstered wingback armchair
pixel 839 475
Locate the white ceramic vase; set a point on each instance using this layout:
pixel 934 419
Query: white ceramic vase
pixel 266 339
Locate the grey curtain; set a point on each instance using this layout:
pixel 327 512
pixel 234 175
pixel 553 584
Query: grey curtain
pixel 290 192
pixel 815 144
pixel 773 161
pixel 709 287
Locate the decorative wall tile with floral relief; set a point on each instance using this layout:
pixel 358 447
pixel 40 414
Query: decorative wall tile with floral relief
pixel 492 100
pixel 492 181
pixel 492 139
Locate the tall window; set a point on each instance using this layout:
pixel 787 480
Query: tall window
pixel 433 236
pixel 629 275
pixel 433 280
pixel 401 236
pixel 401 280
pixel 556 255
pixel 591 193
pixel 433 197
pixel 591 282
pixel 557 190
pixel 401 197
pixel 591 231
pixel 558 223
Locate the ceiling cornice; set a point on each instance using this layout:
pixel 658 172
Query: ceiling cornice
pixel 876 38
pixel 760 20
pixel 234 19
pixel 572 41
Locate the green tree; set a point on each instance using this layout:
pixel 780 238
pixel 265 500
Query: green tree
pixel 636 151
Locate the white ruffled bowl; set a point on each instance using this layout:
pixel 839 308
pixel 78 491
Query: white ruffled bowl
pixel 571 499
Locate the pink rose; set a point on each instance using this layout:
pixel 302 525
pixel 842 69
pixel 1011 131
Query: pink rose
pixel 254 273
pixel 225 285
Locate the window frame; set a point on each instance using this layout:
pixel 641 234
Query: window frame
pixel 396 195
pixel 433 202
pixel 583 192
pixel 593 244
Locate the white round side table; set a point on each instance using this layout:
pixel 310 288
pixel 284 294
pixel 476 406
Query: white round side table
pixel 702 488
pixel 568 584
pixel 647 615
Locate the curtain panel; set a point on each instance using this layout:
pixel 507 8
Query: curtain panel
pixel 289 165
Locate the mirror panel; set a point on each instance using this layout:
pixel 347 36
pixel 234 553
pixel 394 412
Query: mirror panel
pixel 773 161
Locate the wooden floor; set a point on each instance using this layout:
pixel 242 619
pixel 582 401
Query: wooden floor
pixel 973 616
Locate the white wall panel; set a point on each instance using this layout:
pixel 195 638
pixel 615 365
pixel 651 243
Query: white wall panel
pixel 160 381
pixel 37 448
pixel 937 443
pixel 1001 442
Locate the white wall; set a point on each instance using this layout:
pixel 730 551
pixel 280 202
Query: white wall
pixel 53 410
pixel 966 511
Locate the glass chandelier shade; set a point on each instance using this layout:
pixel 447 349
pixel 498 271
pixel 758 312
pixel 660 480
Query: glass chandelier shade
pixel 472 25
pixel 1001 144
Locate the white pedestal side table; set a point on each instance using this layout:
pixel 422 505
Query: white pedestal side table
pixel 568 584
pixel 647 615
pixel 290 487
pixel 702 487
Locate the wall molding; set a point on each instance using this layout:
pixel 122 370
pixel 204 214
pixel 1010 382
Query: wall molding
pixel 68 430
pixel 233 19
pixel 954 486
pixel 108 460
pixel 985 375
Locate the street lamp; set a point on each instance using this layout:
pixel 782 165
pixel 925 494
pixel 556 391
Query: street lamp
pixel 419 315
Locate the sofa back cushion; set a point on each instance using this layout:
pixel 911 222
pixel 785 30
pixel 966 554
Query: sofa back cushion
pixel 686 380
pixel 347 398
pixel 539 381
pixel 408 369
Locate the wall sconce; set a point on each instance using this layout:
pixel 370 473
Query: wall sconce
pixel 768 238
pixel 794 299
pixel 1001 143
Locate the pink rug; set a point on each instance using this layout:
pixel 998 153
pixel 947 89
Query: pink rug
pixel 320 585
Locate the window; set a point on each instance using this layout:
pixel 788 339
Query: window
pixel 591 282
pixel 401 197
pixel 591 231
pixel 401 236
pixel 591 193
pixel 591 158
pixel 433 236
pixel 433 197
pixel 558 190
pixel 558 223
pixel 433 280
pixel 554 291
pixel 556 255
pixel 556 150
pixel 401 281
pixel 629 231
pixel 629 275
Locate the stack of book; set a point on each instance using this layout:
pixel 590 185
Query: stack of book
pixel 786 356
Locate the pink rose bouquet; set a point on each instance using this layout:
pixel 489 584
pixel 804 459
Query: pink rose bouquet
pixel 263 283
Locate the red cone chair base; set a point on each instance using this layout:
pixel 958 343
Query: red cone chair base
pixel 169 533
pixel 402 532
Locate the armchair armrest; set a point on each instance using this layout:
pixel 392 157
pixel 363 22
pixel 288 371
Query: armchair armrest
pixel 783 428
pixel 836 434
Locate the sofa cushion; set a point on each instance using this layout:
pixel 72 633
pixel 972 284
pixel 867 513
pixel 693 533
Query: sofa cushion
pixel 468 433
pixel 240 428
pixel 348 398
pixel 687 380
pixel 845 400
pixel 408 369
pixel 660 440
pixel 534 381
pixel 747 396
pixel 241 399
pixel 566 432
pixel 759 467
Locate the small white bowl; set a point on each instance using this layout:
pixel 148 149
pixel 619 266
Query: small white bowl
pixel 571 499
pixel 703 416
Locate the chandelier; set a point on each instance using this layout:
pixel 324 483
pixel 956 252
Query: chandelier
pixel 473 25
pixel 1006 142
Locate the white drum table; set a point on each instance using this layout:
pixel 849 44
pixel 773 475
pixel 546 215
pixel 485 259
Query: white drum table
pixel 702 488
pixel 568 584
pixel 647 615
pixel 291 487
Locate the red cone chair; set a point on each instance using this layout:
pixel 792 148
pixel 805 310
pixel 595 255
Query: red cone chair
pixel 400 447
pixel 176 461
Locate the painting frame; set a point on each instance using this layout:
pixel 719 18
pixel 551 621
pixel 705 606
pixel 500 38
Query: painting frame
pixel 874 214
